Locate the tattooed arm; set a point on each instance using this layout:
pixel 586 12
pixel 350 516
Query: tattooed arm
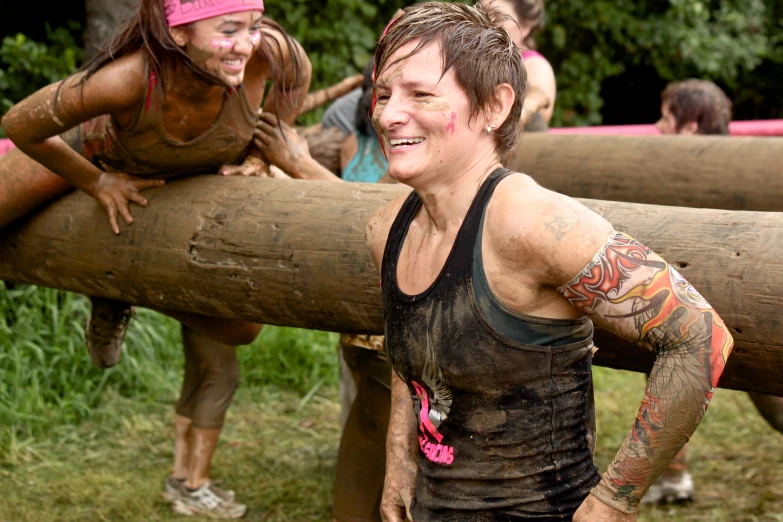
pixel 631 291
pixel 548 255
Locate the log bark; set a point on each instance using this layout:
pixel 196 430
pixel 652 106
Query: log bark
pixel 293 253
pixel 686 171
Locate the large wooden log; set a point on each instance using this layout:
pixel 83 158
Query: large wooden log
pixel 686 171
pixel 293 253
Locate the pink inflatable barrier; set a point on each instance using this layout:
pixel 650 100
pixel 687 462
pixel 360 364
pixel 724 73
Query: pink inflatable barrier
pixel 736 128
pixel 5 146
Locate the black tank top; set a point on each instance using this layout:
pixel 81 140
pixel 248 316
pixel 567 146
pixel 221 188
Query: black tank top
pixel 501 422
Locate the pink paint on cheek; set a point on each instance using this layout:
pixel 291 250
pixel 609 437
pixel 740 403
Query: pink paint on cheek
pixel 215 43
pixel 226 43
pixel 452 126
pixel 256 38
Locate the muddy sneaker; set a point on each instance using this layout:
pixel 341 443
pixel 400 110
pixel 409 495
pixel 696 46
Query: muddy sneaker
pixel 171 488
pixel 105 330
pixel 205 501
pixel 670 490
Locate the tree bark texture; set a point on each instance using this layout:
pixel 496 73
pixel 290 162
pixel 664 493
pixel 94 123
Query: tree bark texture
pixel 293 253
pixel 103 18
pixel 687 171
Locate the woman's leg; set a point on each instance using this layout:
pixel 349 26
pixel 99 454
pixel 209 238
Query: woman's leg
pixel 25 185
pixel 771 408
pixel 211 378
pixel 361 459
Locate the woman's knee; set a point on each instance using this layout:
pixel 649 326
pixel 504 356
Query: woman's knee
pixel 243 332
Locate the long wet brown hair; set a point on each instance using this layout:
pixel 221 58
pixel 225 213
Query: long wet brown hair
pixel 148 31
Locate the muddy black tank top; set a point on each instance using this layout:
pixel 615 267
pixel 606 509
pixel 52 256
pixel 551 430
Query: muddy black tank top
pixel 501 422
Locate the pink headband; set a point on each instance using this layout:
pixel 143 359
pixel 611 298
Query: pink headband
pixel 183 13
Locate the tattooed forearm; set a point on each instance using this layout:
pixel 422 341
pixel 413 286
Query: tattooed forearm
pixel 631 291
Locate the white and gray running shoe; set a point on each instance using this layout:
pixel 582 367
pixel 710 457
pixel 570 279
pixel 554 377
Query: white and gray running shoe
pixel 172 487
pixel 668 490
pixel 206 501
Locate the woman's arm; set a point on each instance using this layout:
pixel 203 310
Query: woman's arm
pixel 288 151
pixel 401 467
pixel 34 125
pixel 634 293
pixel 555 242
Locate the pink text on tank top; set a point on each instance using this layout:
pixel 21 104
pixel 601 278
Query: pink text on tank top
pixel 434 451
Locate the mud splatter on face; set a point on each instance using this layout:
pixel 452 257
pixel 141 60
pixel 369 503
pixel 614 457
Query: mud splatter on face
pixel 201 57
pixel 434 106
pixel 452 126
pixel 387 79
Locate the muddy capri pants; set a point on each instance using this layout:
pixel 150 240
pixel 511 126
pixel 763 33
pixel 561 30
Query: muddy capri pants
pixel 211 378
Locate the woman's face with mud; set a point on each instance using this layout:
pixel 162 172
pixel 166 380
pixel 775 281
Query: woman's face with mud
pixel 424 120
pixel 223 44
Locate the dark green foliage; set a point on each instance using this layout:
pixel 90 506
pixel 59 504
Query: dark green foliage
pixel 339 36
pixel 590 41
pixel 27 65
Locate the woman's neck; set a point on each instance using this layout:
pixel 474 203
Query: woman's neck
pixel 184 84
pixel 447 202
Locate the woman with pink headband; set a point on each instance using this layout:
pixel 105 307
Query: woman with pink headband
pixel 176 93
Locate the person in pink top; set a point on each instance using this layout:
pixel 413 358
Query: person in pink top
pixel 524 19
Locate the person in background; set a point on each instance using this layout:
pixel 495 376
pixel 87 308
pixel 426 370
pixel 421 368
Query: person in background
pixel 523 19
pixel 694 107
pixel 698 107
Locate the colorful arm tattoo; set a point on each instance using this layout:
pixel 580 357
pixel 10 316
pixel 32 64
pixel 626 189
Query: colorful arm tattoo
pixel 631 291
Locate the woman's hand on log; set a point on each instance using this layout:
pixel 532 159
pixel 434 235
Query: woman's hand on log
pixel 115 191
pixel 593 510
pixel 252 166
pixel 286 153
pixel 398 490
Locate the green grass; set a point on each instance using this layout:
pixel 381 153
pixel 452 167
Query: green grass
pixel 47 377
pixel 81 444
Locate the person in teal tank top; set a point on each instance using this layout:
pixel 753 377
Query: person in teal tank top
pixel 363 159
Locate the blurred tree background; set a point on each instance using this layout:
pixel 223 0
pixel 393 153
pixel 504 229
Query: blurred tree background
pixel 612 58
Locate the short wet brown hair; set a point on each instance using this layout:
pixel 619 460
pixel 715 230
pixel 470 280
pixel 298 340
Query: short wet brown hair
pixel 699 101
pixel 475 45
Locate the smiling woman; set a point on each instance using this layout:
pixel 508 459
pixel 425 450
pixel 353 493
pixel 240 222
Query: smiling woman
pixel 176 93
pixel 491 284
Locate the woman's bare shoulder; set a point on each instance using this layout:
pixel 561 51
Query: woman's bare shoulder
pixel 377 230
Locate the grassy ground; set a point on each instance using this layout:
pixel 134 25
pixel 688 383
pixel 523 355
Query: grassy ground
pixel 102 456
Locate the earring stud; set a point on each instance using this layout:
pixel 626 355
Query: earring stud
pixel 489 129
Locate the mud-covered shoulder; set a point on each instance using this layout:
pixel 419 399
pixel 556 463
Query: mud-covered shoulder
pixel 536 229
